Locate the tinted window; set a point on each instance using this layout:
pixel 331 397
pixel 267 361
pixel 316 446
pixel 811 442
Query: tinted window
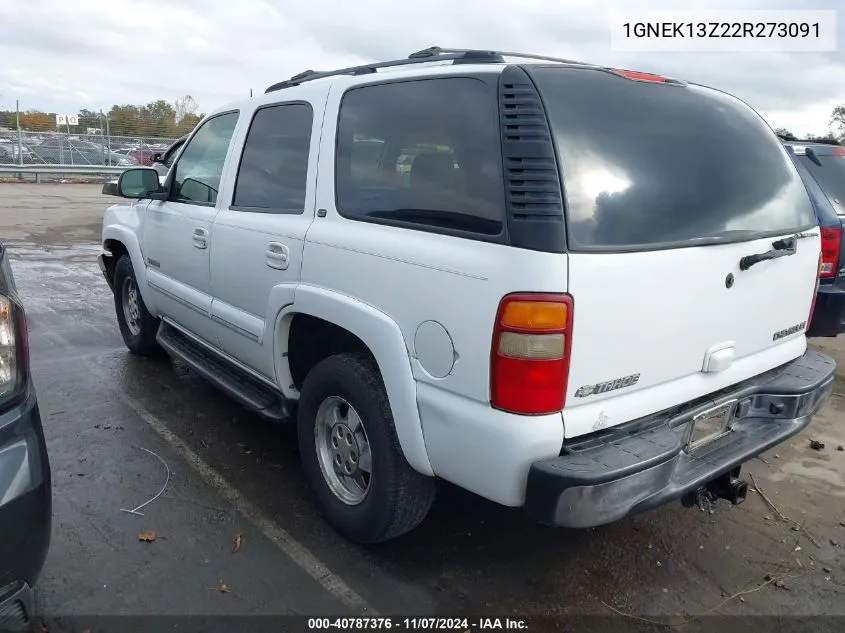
pixel 423 152
pixel 274 166
pixel 647 163
pixel 170 155
pixel 200 165
pixel 829 172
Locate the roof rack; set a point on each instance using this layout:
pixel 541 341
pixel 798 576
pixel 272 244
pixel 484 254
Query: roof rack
pixel 432 54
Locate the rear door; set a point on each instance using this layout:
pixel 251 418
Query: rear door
pixel 669 189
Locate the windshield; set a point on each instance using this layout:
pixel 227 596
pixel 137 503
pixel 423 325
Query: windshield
pixel 830 175
pixel 648 165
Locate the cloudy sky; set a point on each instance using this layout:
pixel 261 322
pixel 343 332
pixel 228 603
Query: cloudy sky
pixel 63 55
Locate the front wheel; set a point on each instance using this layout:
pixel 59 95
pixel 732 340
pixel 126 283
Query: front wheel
pixel 351 454
pixel 137 326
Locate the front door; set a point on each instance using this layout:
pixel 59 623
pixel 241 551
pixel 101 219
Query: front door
pixel 258 239
pixel 177 231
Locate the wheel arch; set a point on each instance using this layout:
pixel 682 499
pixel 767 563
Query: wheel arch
pixel 360 327
pixel 118 241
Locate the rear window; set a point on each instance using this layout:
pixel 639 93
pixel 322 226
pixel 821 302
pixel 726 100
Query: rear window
pixel 829 172
pixel 650 165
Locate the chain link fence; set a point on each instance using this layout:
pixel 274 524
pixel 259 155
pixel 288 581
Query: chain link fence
pixel 69 148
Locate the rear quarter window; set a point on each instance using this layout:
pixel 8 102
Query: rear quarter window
pixel 422 154
pixel 648 165
pixel 827 166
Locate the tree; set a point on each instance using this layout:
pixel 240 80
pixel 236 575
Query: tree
pixel 156 119
pixel 187 123
pixel 185 106
pixel 90 119
pixel 837 122
pixel 35 121
pixel 784 133
pixel 159 118
pixel 125 120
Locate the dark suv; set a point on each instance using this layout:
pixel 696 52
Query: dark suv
pixel 25 481
pixel 822 167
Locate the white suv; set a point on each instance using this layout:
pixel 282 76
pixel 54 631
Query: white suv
pixel 560 286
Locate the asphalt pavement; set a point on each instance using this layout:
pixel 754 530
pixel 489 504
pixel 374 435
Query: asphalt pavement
pixel 236 532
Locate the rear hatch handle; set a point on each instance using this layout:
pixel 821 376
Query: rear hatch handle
pixel 780 248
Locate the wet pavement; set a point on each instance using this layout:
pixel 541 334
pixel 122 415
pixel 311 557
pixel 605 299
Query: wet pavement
pixel 117 425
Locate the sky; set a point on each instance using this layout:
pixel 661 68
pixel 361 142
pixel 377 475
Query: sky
pixel 63 55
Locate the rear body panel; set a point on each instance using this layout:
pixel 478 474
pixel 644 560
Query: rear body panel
pixel 667 188
pixel 658 314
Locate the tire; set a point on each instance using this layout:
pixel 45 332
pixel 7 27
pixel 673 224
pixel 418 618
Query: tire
pixel 397 498
pixel 138 331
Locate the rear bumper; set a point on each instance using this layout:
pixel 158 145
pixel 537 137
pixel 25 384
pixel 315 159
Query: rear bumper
pixel 638 466
pixel 829 313
pixel 25 506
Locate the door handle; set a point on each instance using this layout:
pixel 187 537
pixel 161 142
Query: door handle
pixel 277 256
pixel 200 238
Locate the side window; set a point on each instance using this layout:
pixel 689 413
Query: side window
pixel 200 165
pixel 423 152
pixel 170 156
pixel 274 167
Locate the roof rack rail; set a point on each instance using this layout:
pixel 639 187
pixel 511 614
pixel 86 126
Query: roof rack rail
pixel 436 51
pixel 431 54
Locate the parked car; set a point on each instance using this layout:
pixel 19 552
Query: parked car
pixel 822 167
pixel 25 478
pixel 142 156
pixel 585 318
pixel 68 152
pixel 11 152
pixel 162 161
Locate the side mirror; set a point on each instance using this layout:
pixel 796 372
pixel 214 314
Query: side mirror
pixel 137 183
pixel 110 188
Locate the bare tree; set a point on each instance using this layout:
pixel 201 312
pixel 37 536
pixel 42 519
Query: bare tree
pixel 185 106
pixel 837 122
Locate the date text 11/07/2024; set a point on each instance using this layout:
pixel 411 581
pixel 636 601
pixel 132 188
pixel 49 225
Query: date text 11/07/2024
pixel 464 625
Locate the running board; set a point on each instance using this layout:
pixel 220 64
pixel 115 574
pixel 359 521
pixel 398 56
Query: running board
pixel 267 402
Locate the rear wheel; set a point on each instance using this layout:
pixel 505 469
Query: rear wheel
pixel 137 326
pixel 351 455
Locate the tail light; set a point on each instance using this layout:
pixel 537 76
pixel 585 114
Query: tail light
pixel 8 366
pixel 529 363
pixel 14 349
pixel 831 242
pixel 815 294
